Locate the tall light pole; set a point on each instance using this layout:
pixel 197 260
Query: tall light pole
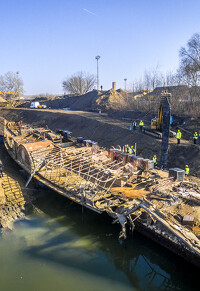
pixel 97 58
pixel 17 73
pixel 125 83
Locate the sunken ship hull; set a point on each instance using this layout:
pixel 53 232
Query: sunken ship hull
pixel 124 186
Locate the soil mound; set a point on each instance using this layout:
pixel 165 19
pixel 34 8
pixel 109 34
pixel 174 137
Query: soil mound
pixel 91 101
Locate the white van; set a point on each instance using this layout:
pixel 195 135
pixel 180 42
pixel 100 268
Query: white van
pixel 35 104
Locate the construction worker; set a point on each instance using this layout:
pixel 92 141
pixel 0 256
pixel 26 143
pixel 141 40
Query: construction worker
pixel 131 150
pixel 178 136
pixel 187 170
pixel 141 124
pixel 195 137
pixel 134 125
pixel 155 160
pixel 127 148
pixel 124 148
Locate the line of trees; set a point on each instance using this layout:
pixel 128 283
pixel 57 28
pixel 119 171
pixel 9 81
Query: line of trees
pixel 188 74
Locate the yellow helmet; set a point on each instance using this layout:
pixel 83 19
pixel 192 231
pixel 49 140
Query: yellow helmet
pixel 186 166
pixel 141 120
pixel 154 155
pixel 195 132
pixel 178 130
pixel 131 146
pixel 127 145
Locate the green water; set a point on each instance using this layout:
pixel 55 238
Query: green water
pixel 60 247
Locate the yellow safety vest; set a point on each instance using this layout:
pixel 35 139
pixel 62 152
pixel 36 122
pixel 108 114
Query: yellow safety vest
pixel 178 135
pixel 187 170
pixel 141 123
pixel 130 151
pixel 195 136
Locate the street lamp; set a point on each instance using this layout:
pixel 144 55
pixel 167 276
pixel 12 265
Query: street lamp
pixel 125 83
pixel 97 58
pixel 17 73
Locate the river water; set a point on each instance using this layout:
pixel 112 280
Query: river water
pixel 60 246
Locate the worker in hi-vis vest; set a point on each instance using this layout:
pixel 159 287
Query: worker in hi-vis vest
pixel 141 124
pixel 187 170
pixel 178 136
pixel 134 125
pixel 155 160
pixel 195 137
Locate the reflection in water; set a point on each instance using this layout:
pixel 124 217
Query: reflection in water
pixel 66 249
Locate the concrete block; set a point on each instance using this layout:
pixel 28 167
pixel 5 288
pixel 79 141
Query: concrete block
pixel 177 174
pixel 188 220
pixel 149 164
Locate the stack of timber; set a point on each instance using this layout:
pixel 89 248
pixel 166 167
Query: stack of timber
pixel 124 186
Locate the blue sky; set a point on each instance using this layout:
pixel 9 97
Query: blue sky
pixel 49 40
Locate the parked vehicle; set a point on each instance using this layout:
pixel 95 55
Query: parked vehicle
pixel 35 104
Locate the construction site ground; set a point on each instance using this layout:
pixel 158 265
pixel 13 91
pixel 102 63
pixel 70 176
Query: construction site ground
pixel 108 131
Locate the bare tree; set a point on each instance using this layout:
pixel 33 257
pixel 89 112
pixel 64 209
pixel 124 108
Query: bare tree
pixel 11 84
pixel 171 79
pixel 79 83
pixel 2 84
pixel 189 70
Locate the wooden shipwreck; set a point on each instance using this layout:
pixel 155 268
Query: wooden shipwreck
pixel 124 186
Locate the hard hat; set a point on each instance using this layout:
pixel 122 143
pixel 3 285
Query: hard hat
pixel 178 129
pixel 154 155
pixel 195 132
pixel 132 146
pixel 186 166
pixel 127 145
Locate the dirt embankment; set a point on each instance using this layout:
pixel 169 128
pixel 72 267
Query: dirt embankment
pixel 91 101
pixel 108 131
